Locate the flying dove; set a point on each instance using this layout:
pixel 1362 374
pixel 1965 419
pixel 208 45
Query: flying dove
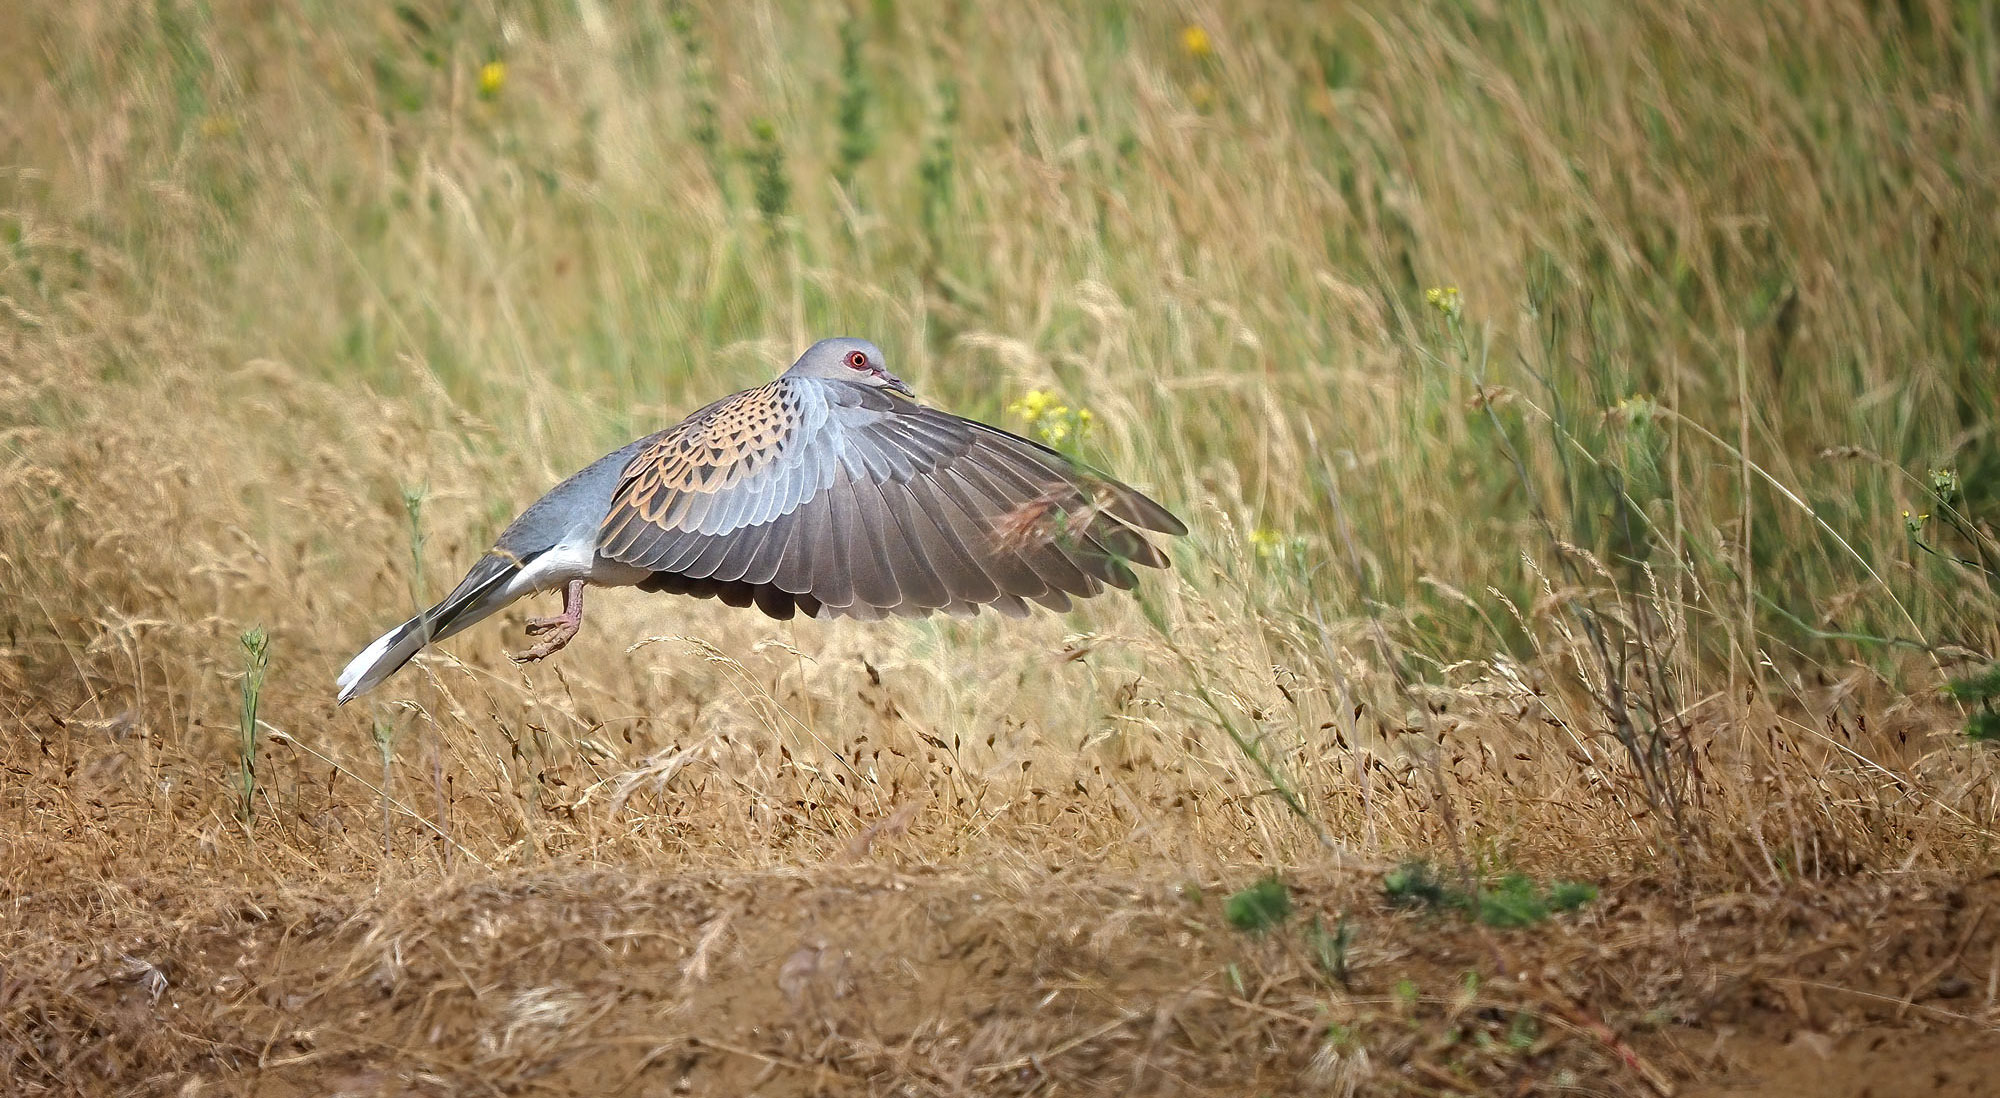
pixel 830 492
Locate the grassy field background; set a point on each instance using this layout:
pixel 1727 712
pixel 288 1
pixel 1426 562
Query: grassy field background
pixel 1586 418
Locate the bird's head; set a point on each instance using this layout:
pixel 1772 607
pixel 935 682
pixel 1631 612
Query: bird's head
pixel 852 360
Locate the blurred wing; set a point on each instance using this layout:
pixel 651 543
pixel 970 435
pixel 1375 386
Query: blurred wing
pixel 865 505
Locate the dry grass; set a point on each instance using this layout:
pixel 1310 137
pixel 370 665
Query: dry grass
pixel 1597 567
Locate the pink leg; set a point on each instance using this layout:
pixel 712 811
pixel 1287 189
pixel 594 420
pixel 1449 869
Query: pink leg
pixel 561 629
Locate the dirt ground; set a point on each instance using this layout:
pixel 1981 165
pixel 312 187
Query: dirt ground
pixel 1880 1061
pixel 868 978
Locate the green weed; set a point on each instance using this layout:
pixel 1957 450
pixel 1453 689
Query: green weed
pixel 1329 950
pixel 256 660
pixel 1983 690
pixel 1414 884
pixel 857 137
pixel 413 511
pixel 935 170
pixel 1523 1032
pixel 770 185
pixel 1513 900
pixel 1259 907
pixel 385 736
pixel 704 115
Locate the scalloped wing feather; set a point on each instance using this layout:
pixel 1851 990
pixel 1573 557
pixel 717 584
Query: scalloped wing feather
pixel 845 501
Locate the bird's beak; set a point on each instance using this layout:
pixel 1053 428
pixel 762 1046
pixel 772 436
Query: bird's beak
pixel 892 382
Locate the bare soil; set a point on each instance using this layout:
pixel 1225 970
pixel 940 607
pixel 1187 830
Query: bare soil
pixel 1878 1061
pixel 867 978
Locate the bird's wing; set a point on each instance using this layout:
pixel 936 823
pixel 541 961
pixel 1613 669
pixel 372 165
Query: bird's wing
pixel 869 504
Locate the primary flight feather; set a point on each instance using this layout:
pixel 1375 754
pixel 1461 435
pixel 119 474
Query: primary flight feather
pixel 829 491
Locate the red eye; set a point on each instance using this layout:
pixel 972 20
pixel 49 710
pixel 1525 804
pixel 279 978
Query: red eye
pixel 857 360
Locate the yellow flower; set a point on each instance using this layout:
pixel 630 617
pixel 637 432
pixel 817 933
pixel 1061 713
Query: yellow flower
pixel 1268 543
pixel 1195 41
pixel 1636 409
pixel 1034 404
pixel 492 77
pixel 1051 420
pixel 1445 300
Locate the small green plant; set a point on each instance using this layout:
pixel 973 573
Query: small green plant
pixel 1948 502
pixel 1523 1032
pixel 771 187
pixel 385 736
pixel 413 507
pixel 1330 949
pixel 935 170
pixel 1570 895
pixel 704 117
pixel 857 141
pixel 1514 900
pixel 1260 907
pixel 1983 689
pixel 256 657
pixel 1415 884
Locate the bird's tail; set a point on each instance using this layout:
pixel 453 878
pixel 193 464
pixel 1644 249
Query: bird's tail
pixel 482 592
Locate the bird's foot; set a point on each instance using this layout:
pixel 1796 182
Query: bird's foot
pixel 562 634
pixel 560 629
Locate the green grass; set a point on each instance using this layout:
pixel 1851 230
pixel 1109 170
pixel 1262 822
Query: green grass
pixel 1983 690
pixel 1510 900
pixel 256 663
pixel 1259 907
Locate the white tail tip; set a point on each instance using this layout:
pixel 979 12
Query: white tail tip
pixel 376 662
